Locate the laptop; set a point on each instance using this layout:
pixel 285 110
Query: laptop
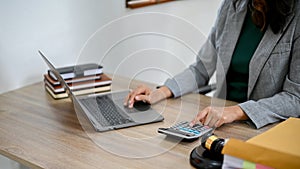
pixel 106 111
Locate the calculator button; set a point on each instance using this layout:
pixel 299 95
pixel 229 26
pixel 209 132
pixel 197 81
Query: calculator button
pixel 198 127
pixel 181 132
pixel 190 130
pixel 196 132
pixel 182 128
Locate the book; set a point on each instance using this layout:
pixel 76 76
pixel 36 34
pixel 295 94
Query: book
pixel 72 80
pixel 105 80
pixel 62 95
pixel 59 95
pixel 276 148
pixel 81 70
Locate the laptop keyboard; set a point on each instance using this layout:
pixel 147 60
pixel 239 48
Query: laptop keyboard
pixel 103 109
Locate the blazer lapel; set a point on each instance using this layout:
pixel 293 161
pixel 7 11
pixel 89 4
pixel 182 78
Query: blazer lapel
pixel 230 35
pixel 262 54
pixel 237 14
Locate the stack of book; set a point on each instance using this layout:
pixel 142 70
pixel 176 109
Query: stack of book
pixel 82 79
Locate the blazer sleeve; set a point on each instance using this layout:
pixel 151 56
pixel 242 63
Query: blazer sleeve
pixel 284 104
pixel 199 73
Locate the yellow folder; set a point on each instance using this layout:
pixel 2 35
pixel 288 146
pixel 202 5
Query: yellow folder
pixel 279 147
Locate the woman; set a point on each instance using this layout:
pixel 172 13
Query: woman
pixel 257 44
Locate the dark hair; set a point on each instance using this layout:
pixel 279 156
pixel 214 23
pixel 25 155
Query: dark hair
pixel 270 12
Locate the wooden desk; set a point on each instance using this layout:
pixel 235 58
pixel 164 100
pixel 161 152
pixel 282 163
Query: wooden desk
pixel 40 132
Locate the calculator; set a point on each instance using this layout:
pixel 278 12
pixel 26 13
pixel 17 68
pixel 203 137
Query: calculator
pixel 184 131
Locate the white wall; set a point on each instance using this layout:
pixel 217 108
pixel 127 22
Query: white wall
pixel 61 27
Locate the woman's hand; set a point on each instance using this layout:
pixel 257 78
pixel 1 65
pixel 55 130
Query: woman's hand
pixel 144 93
pixel 217 116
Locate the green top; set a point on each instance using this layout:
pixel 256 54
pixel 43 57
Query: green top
pixel 238 73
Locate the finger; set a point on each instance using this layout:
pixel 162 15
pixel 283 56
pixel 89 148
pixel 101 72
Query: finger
pixel 131 101
pixel 222 120
pixel 142 90
pixel 196 119
pixel 219 122
pixel 200 116
pixel 132 96
pixel 216 116
pixel 213 121
pixel 212 117
pixel 127 99
pixel 209 121
pixel 193 122
pixel 144 98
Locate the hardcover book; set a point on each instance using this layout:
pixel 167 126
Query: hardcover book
pixel 105 80
pixel 61 95
pixel 72 80
pixel 69 72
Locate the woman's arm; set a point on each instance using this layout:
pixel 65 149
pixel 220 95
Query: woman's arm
pixel 199 73
pixel 284 104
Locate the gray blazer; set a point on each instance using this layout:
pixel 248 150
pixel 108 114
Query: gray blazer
pixel 274 81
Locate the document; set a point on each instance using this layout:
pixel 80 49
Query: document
pixel 279 147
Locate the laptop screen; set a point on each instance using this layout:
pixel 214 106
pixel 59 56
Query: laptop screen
pixel 57 74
